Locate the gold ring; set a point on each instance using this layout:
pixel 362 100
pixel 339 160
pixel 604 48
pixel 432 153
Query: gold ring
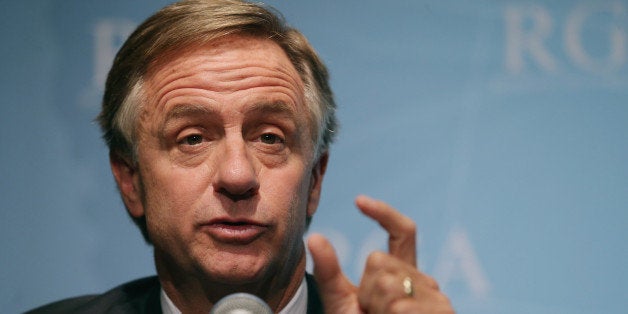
pixel 408 289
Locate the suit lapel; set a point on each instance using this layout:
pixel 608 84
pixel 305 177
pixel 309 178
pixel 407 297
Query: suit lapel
pixel 314 303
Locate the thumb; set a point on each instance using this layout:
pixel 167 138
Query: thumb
pixel 333 285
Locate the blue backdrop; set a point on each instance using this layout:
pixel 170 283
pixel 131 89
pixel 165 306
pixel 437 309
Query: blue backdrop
pixel 501 127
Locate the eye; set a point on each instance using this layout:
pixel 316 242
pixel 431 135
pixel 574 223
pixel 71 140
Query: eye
pixel 269 138
pixel 193 139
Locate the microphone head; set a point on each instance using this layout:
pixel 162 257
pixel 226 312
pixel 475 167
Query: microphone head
pixel 241 303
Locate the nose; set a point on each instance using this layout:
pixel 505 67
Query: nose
pixel 235 177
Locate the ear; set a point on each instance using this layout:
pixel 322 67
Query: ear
pixel 127 177
pixel 316 183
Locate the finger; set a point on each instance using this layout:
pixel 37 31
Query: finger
pixel 381 264
pixel 382 282
pixel 409 305
pixel 401 229
pixel 406 305
pixel 383 286
pixel 332 283
pixel 426 301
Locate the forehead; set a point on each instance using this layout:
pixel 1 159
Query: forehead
pixel 228 58
pixel 244 66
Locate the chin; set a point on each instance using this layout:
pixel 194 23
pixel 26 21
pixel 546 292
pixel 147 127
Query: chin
pixel 237 269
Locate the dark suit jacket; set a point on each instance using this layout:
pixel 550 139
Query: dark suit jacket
pixel 141 296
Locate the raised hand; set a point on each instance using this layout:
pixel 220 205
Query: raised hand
pixel 391 282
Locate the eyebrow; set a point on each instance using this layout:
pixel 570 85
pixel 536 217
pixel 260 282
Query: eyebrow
pixel 182 111
pixel 188 110
pixel 260 108
pixel 276 107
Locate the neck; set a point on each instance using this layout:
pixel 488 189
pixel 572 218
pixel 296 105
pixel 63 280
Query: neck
pixel 194 293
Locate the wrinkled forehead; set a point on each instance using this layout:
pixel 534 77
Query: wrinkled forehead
pixel 242 66
pixel 258 48
pixel 228 59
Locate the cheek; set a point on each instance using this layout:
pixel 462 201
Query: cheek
pixel 289 192
pixel 171 194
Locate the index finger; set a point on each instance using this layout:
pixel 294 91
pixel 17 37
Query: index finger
pixel 401 229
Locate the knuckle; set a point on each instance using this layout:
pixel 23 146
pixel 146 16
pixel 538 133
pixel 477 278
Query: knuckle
pixel 432 283
pixel 376 260
pixel 402 306
pixel 419 306
pixel 409 226
pixel 407 229
pixel 442 299
pixel 384 284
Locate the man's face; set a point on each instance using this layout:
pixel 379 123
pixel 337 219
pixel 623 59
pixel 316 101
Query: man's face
pixel 225 175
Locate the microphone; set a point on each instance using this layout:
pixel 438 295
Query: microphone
pixel 241 303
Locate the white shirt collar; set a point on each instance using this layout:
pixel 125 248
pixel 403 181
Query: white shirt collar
pixel 167 307
pixel 297 305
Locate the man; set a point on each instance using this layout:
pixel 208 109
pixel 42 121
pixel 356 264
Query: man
pixel 218 118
